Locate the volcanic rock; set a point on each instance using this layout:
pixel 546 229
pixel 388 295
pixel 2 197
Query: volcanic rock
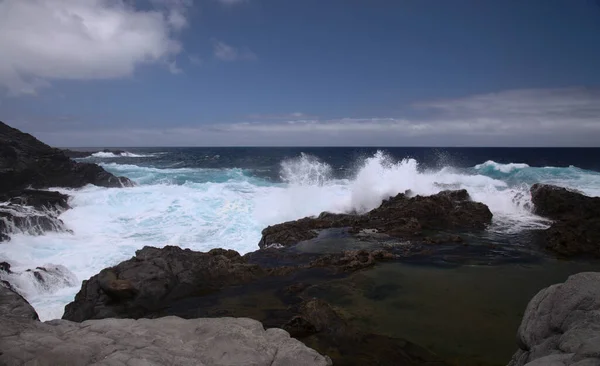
pixel 576 230
pixel 400 216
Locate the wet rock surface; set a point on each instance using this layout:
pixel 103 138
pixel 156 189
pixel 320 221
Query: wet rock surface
pixel 576 227
pixel 399 217
pixel 31 211
pixel 26 162
pixel 164 341
pixel 561 325
pixel 150 281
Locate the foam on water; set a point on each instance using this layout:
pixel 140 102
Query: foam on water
pixel 203 209
pixel 125 154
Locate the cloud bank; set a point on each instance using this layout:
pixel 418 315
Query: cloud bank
pixel 45 40
pixel 535 117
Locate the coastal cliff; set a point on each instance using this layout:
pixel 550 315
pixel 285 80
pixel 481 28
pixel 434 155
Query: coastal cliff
pixel 27 166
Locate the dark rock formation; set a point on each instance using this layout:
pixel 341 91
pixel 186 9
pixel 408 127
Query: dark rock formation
pixel 576 230
pixel 173 281
pixel 14 305
pixel 5 267
pixel 154 278
pixel 561 325
pixel 31 211
pixel 27 162
pixel 400 217
pixel 165 341
pixel 559 203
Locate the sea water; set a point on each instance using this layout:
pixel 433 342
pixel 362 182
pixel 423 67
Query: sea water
pixel 204 198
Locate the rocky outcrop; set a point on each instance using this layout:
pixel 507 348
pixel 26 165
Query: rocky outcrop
pixel 31 211
pixel 400 217
pixel 154 278
pixel 576 230
pixel 27 162
pixel 14 306
pixel 561 325
pixel 164 341
pixel 159 283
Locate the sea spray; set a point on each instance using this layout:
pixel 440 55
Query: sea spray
pixel 201 208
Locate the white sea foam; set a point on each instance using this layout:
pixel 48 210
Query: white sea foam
pixel 125 154
pixel 203 209
pixel 504 168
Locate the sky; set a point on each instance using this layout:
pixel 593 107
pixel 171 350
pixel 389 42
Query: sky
pixel 78 73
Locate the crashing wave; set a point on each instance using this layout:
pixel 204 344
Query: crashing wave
pixel 125 154
pixel 503 168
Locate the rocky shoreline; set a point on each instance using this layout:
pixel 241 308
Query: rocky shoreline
pixel 27 168
pixel 290 283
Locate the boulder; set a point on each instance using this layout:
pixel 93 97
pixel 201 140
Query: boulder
pixel 400 216
pixel 27 162
pixel 13 305
pixel 165 341
pixel 576 230
pixel 561 324
pixel 154 278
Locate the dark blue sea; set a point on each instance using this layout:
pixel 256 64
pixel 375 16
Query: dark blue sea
pixel 203 198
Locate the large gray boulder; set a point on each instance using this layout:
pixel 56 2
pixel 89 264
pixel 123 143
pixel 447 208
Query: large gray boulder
pixel 165 341
pixel 561 325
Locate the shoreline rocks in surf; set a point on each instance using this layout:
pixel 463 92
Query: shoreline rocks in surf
pixel 401 216
pixel 561 325
pixel 576 227
pixel 28 165
pixel 226 341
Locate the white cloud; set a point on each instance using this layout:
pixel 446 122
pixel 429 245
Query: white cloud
pixel 557 117
pixel 45 40
pixel 225 52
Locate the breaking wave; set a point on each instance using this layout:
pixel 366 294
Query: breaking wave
pixel 202 209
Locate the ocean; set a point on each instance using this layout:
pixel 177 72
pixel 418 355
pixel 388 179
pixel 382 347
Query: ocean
pixel 204 198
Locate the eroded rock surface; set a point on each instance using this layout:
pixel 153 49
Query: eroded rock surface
pixel 27 162
pixel 154 278
pixel 400 217
pixel 561 325
pixel 576 230
pixel 164 341
pixel 31 211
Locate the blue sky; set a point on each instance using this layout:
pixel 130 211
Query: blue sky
pixel 311 72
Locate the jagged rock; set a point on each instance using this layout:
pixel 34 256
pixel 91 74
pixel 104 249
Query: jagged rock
pixel 31 211
pixel 561 325
pixel 5 267
pixel 165 341
pixel 155 277
pixel 13 305
pixel 400 216
pixel 559 203
pixel 576 230
pixel 27 162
